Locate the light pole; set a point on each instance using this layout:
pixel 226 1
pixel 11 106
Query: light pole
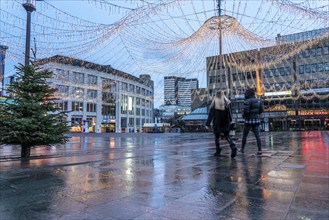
pixel 2 67
pixel 29 6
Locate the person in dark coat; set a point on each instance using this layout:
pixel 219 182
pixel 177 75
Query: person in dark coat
pixel 221 122
pixel 253 107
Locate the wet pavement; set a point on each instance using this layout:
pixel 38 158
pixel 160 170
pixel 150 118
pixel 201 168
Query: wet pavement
pixel 168 176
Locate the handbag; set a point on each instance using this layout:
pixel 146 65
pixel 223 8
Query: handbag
pixel 229 113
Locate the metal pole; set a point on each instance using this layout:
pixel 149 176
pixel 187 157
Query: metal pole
pixel 29 9
pixel 2 67
pixel 220 41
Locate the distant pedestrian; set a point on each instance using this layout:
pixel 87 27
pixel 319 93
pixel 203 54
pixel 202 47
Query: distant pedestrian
pixel 253 107
pixel 221 119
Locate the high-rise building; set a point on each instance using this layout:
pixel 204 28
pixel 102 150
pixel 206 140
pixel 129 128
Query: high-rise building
pixel 178 90
pixel 170 90
pixel 185 87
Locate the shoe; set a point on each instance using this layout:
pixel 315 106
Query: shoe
pixel 233 153
pixel 259 153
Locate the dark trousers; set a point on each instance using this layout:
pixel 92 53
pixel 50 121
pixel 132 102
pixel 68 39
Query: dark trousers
pixel 227 137
pixel 256 130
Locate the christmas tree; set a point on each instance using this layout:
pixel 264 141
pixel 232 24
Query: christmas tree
pixel 33 117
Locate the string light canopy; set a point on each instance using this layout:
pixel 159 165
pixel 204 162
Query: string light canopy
pixel 169 37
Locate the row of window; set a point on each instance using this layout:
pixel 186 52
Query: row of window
pixel 304 84
pixel 106 109
pixel 108 97
pixel 78 77
pixel 313 68
pixel 131 122
pixel 282 71
pixel 135 89
pixel 313 52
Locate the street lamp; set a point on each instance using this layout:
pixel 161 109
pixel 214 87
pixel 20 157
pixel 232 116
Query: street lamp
pixel 29 6
pixel 3 49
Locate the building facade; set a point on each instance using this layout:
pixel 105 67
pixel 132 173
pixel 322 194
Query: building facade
pixel 178 90
pixel 170 90
pixel 185 87
pixel 293 85
pixel 99 98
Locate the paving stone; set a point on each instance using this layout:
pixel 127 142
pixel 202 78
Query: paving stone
pixel 166 176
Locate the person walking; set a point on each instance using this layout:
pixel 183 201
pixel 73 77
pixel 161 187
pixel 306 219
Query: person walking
pixel 220 118
pixel 253 107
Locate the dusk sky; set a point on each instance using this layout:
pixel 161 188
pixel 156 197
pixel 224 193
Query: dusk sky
pixel 159 38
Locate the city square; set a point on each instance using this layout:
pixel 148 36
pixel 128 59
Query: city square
pixel 140 109
pixel 168 176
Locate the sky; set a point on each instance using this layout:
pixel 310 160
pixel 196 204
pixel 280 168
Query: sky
pixel 159 38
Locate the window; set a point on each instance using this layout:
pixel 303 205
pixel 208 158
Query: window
pixel 131 88
pixel 108 85
pixel 306 53
pixel 62 74
pixel 92 80
pixel 326 66
pixel 282 73
pixel 314 67
pixel 62 90
pixel 108 110
pixel 92 94
pixel 248 74
pixel 320 67
pixel 124 86
pixel 77 106
pixel 76 120
pixel 288 70
pixel 301 69
pixel 313 52
pixel 326 50
pixel 78 77
pixel 234 77
pixel 138 101
pixel 138 90
pixel 307 68
pixel 319 51
pixel 124 104
pixel 224 79
pixel 266 73
pixel 91 107
pixel 108 97
pixel 63 106
pixel 77 92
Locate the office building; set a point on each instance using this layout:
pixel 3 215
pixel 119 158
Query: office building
pixel 185 87
pixel 170 90
pixel 178 90
pixel 291 78
pixel 106 99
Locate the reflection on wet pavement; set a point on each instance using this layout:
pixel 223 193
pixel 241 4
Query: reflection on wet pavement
pixel 168 176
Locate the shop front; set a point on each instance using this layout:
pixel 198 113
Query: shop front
pixel 76 124
pixel 90 124
pixel 108 125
